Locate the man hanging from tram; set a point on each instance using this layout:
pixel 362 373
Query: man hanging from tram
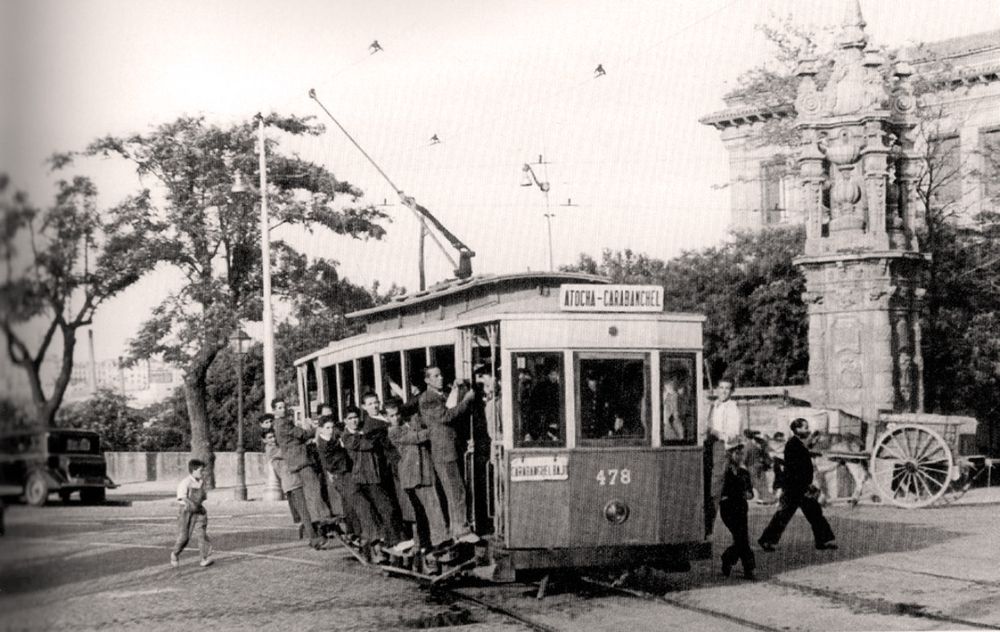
pixel 439 413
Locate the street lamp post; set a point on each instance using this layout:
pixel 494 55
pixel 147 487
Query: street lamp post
pixel 272 490
pixel 239 342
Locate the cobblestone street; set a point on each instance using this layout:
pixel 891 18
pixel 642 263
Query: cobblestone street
pixel 78 567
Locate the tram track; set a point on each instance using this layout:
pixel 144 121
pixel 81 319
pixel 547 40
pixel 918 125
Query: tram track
pixel 880 606
pixel 498 609
pixel 677 603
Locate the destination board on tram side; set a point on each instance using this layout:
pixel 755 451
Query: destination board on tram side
pixel 610 298
pixel 539 468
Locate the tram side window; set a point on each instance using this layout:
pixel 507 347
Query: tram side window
pixel 613 397
pixel 443 357
pixel 312 389
pixel 329 377
pixel 416 361
pixel 677 399
pixel 539 406
pixel 392 371
pixel 347 384
pixel 366 373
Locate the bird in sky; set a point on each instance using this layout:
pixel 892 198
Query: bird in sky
pixel 435 140
pixel 374 47
pixel 598 72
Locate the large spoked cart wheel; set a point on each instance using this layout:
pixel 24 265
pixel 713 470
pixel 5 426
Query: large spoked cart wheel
pixel 912 466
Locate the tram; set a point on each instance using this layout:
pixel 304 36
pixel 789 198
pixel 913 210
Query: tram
pixel 581 450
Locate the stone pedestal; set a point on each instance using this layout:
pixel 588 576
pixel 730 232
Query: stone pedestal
pixel 863 330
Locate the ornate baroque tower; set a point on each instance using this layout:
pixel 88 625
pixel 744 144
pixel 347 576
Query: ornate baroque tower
pixel 862 262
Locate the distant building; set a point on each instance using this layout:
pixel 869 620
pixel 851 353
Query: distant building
pixel 763 186
pixel 145 382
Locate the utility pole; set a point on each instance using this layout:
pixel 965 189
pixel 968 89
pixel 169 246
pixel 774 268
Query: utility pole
pixel 265 251
pixel 548 222
pixel 531 178
pixel 93 363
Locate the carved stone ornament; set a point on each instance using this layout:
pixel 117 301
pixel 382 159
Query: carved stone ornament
pixel 813 298
pixel 843 150
pixel 850 372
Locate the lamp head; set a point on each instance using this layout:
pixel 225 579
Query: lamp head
pixel 239 186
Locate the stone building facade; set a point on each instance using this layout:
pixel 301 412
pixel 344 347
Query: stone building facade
pixel 764 187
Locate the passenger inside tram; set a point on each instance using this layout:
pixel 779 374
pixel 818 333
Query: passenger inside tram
pixel 546 406
pixel 613 398
pixel 538 400
pixel 678 409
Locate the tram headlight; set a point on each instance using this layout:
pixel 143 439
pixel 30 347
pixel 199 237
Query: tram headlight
pixel 616 512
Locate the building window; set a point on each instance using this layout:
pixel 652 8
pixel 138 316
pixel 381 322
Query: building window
pixel 772 189
pixel 989 149
pixel 944 172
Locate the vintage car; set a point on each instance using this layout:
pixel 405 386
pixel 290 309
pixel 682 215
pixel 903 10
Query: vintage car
pixel 55 460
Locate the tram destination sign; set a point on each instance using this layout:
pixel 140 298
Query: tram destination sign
pixel 539 468
pixel 578 297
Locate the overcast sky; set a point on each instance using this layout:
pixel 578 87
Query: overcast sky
pixel 498 82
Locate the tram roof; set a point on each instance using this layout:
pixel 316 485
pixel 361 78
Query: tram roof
pixel 451 288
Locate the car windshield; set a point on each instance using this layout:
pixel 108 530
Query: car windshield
pixel 74 444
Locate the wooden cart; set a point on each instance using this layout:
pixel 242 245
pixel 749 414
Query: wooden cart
pixel 913 459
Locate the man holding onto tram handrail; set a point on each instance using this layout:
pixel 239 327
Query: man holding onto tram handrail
pixel 799 493
pixel 337 466
pixel 725 424
pixel 375 422
pixel 440 417
pixel 416 475
pixel 368 469
pixel 293 440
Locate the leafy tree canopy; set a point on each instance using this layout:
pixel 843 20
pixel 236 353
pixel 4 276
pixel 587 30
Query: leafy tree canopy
pixel 750 291
pixel 199 224
pixel 60 264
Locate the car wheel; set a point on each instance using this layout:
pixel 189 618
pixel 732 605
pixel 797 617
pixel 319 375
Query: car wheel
pixel 36 490
pixel 65 495
pixel 92 496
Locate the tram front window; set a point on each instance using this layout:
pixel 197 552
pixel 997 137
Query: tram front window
pixel 539 409
pixel 613 400
pixel 677 399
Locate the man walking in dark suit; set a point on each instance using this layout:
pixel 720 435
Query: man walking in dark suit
pixel 799 492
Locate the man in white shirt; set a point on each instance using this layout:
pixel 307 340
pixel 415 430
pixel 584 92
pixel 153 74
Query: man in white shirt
pixel 725 424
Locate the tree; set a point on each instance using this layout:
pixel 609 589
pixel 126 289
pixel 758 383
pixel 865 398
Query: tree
pixel 107 412
pixel 750 291
pixel 61 264
pixel 199 227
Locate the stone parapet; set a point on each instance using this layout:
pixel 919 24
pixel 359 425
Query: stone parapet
pixel 137 467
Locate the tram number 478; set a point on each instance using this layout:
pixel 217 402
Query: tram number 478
pixel 614 477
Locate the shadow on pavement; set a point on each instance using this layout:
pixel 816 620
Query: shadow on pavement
pixel 856 538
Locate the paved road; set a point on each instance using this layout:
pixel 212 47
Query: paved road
pixel 76 567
